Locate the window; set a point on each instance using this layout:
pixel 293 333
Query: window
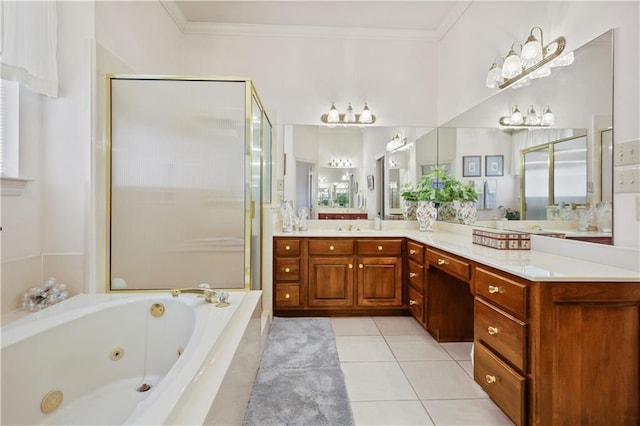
pixel 12 183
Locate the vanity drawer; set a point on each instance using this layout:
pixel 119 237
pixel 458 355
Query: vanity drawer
pixel 416 305
pixel 335 246
pixel 504 385
pixel 502 291
pixel 416 275
pixel 502 332
pixel 415 252
pixel 287 247
pixel 287 296
pixel 371 247
pixel 287 269
pixel 456 267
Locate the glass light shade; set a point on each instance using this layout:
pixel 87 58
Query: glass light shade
pixel 532 117
pixel 548 119
pixel 494 77
pixel 365 117
pixel 531 52
pixel 544 71
pixel 512 65
pixel 350 116
pixel 563 61
pixel 333 116
pixel 516 116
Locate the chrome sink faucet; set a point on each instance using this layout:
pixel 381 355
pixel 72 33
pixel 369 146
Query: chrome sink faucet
pixel 204 290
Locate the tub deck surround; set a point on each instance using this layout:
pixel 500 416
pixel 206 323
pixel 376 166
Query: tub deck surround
pixel 183 387
pixel 533 265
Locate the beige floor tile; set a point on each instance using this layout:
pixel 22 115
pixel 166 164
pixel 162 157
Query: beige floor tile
pixel 441 380
pixel 397 413
pixel 416 348
pixel 399 326
pixel 458 350
pixel 376 381
pixel 467 412
pixel 363 348
pixel 354 326
pixel 467 366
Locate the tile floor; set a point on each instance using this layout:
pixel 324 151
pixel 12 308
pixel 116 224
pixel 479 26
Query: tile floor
pixel 397 374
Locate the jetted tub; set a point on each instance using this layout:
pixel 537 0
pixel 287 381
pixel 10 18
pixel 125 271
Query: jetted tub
pixel 121 359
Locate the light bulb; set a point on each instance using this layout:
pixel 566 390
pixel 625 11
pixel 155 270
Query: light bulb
pixel 516 116
pixel 333 116
pixel 548 119
pixel 365 117
pixel 532 117
pixel 512 65
pixel 350 116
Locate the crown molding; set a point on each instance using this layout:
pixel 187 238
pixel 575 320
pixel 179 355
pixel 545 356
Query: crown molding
pixel 214 28
pixel 452 18
pixel 175 13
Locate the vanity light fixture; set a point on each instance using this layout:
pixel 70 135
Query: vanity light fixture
pixel 534 60
pixel 350 118
pixel 530 119
pixel 340 163
pixel 396 142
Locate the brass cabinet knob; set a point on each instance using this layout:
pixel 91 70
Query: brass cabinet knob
pixel 287 296
pixel 493 289
pixel 379 248
pixel 412 251
pixel 361 266
pixel 287 247
pixel 331 248
pixel 492 330
pixel 287 270
pixel 412 302
pixel 412 275
pixel 490 379
pixel 350 266
pixel 442 262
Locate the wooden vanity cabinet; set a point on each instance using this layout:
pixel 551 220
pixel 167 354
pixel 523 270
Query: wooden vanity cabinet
pixel 288 270
pixel 501 347
pixel 331 274
pixel 448 297
pixel 341 276
pixel 379 275
pixel 416 280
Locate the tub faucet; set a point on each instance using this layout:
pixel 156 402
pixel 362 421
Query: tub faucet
pixel 205 290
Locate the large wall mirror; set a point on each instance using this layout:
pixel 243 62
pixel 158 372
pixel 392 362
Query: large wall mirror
pixel 542 168
pixel 182 183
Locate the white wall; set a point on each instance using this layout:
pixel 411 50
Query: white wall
pixel 488 28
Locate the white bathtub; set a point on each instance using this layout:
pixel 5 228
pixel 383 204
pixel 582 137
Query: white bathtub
pixel 98 349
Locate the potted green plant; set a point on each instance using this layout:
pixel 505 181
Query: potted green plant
pixel 456 201
pixel 409 196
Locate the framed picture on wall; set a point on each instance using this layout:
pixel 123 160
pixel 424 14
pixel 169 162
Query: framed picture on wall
pixel 370 182
pixel 471 166
pixel 494 165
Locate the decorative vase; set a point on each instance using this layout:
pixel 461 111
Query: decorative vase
pixel 447 212
pixel 426 214
pixel 467 213
pixel 409 210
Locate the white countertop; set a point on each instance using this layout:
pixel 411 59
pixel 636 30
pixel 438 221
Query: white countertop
pixel 534 265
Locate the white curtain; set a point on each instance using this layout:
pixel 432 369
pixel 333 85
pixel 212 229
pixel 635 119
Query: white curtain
pixel 29 44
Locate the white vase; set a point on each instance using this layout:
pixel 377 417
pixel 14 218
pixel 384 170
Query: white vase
pixel 467 213
pixel 426 214
pixel 448 212
pixel 409 209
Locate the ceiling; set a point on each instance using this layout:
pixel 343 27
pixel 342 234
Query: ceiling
pixel 431 18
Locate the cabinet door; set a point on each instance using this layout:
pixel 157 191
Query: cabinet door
pixel 379 281
pixel 331 281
